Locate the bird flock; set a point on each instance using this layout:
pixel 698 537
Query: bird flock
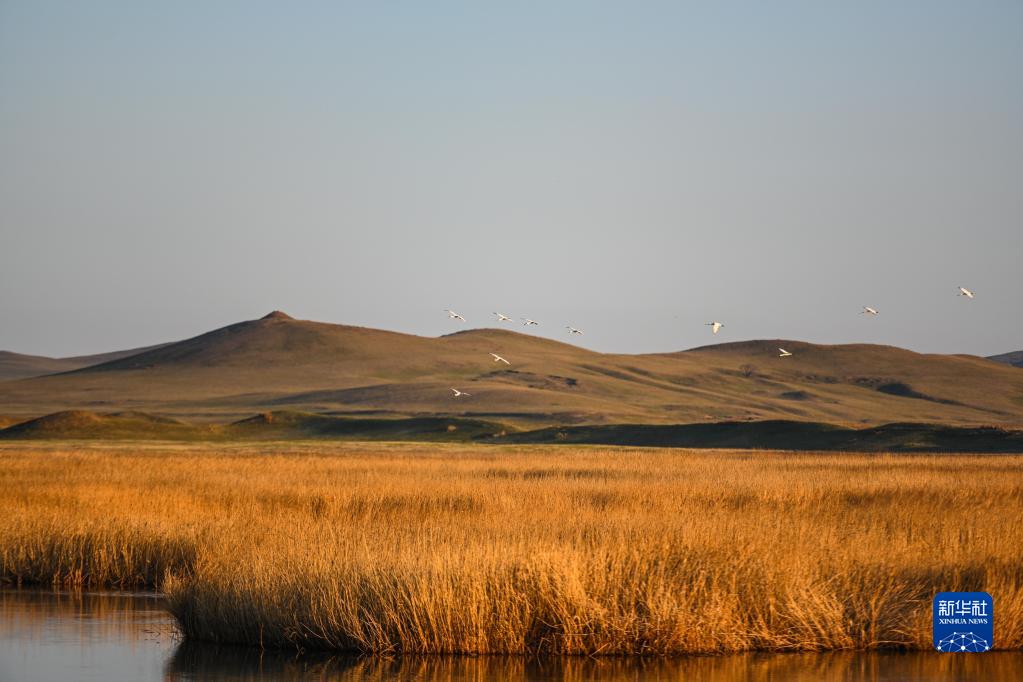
pixel 715 327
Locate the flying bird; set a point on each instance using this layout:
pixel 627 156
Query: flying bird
pixel 459 394
pixel 867 310
pixel 454 316
pixel 573 330
pixel 782 353
pixel 498 358
pixel 502 318
pixel 714 326
pixel 965 292
pixel 528 322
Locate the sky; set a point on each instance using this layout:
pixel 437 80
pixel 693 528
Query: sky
pixel 632 169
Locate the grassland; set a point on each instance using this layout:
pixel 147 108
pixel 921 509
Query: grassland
pixel 434 548
pixel 281 425
pixel 278 363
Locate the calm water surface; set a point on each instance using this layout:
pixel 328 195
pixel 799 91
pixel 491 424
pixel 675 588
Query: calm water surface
pixel 48 637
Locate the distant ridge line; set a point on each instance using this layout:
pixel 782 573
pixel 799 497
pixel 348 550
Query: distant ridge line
pixel 262 364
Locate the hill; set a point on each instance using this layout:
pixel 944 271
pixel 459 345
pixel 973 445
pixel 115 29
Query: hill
pixel 279 363
pixel 784 435
pixel 1014 358
pixel 21 366
pixel 82 424
pixel 277 425
pixel 290 425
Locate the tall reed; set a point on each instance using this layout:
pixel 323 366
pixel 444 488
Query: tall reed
pixel 480 549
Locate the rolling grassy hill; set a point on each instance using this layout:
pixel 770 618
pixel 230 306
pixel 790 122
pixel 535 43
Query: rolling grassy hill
pixel 1014 358
pixel 281 425
pixel 21 366
pixel 278 363
pixel 783 435
pixel 276 425
pixel 83 424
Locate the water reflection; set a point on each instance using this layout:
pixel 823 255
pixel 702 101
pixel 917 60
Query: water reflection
pixel 49 636
pixel 198 662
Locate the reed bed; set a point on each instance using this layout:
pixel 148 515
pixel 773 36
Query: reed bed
pixel 425 549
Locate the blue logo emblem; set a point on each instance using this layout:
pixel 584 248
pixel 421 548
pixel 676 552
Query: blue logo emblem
pixel 963 622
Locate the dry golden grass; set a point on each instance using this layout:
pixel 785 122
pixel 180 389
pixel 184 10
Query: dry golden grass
pixel 480 549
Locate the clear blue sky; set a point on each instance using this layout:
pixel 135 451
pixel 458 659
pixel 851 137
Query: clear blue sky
pixel 633 169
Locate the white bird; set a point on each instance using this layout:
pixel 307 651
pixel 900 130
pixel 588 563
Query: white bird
pixel 459 394
pixel 502 318
pixel 498 358
pixel 714 326
pixel 783 353
pixel 454 316
pixel 965 292
pixel 528 322
pixel 867 310
pixel 573 330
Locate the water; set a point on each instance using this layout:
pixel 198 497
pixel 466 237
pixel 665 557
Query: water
pixel 113 637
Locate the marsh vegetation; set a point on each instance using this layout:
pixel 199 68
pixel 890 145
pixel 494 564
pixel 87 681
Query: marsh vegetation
pixel 434 548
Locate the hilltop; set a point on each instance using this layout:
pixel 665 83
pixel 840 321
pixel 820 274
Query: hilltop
pixel 280 363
